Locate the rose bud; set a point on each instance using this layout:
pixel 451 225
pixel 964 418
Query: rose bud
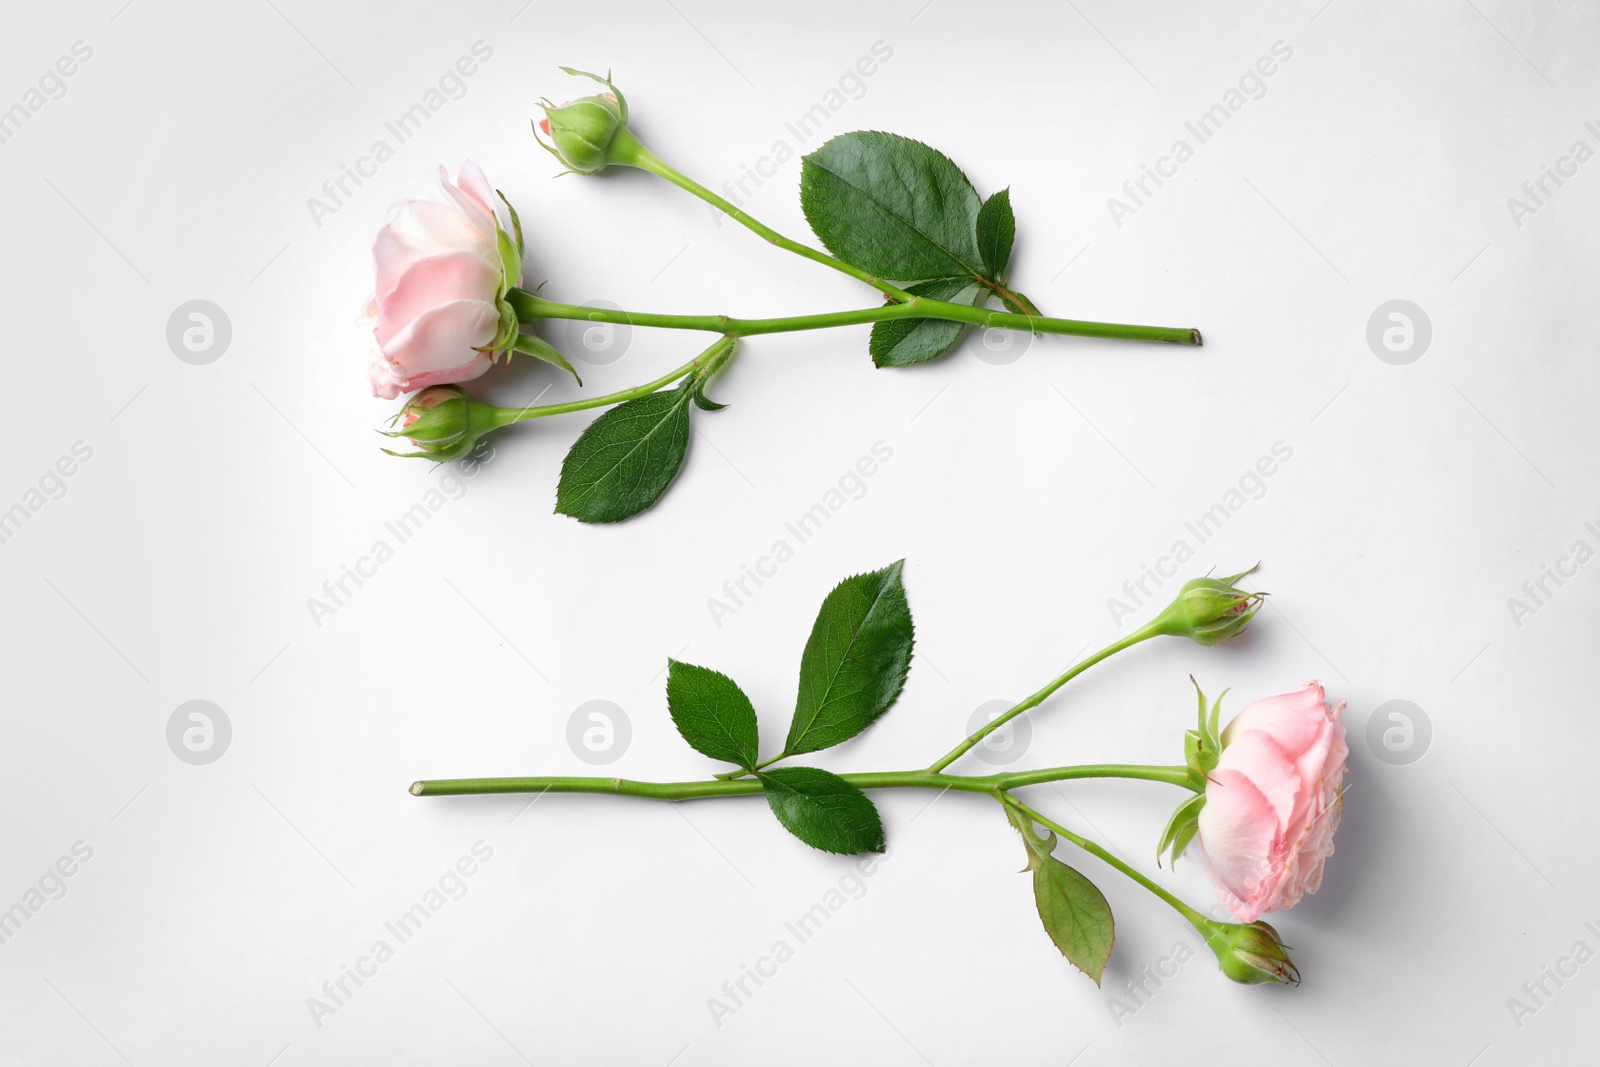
pixel 443 422
pixel 1273 800
pixel 438 312
pixel 582 131
pixel 1209 610
pixel 1251 953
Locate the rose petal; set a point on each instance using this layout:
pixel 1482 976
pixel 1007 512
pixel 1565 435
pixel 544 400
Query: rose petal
pixel 1238 832
pixel 1292 718
pixel 432 282
pixel 418 229
pixel 1256 756
pixel 467 197
pixel 444 338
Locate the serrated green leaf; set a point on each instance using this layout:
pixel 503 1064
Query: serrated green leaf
pixel 1074 912
pixel 855 661
pixel 892 206
pixel 712 713
pixel 539 348
pixel 997 229
pixel 627 458
pixel 902 342
pixel 823 810
pixel 1075 915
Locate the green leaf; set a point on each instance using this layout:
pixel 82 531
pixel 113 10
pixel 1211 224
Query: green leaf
pixel 712 713
pixel 539 348
pixel 892 206
pixel 627 457
pixel 516 228
pixel 855 661
pixel 823 810
pixel 902 342
pixel 1074 911
pixel 997 229
pixel 1018 302
pixel 1181 828
pixel 1075 915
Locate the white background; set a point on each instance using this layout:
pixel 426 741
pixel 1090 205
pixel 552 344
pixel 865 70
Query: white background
pixel 179 562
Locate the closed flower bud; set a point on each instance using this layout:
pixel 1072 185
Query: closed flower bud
pixel 443 422
pixel 1209 610
pixel 1251 953
pixel 583 132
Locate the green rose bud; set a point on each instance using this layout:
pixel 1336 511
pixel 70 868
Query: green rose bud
pixel 1251 953
pixel 584 132
pixel 1209 610
pixel 443 422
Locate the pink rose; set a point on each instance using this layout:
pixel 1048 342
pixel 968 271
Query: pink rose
pixel 1273 801
pixel 436 307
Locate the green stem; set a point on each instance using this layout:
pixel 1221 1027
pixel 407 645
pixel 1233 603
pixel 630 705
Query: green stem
pixel 628 151
pixel 1144 632
pixel 530 307
pixel 1198 920
pixel 706 362
pixel 721 787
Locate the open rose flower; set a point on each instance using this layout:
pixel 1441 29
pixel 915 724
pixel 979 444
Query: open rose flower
pixel 1273 801
pixel 437 311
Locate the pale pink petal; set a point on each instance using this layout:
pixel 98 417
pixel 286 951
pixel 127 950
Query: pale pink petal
pixel 474 207
pixel 434 281
pixel 464 373
pixel 444 337
pixel 1238 833
pixel 388 379
pixel 1292 718
pixel 419 229
pixel 1256 756
pixel 472 181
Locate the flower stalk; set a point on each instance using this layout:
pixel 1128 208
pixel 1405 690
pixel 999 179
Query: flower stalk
pixel 722 787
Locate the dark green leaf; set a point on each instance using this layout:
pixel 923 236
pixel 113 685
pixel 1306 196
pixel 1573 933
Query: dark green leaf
pixel 627 457
pixel 892 206
pixel 1075 915
pixel 997 228
pixel 902 342
pixel 823 810
pixel 855 661
pixel 712 713
pixel 703 402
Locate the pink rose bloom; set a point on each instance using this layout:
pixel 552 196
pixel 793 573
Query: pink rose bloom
pixel 435 310
pixel 1273 801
